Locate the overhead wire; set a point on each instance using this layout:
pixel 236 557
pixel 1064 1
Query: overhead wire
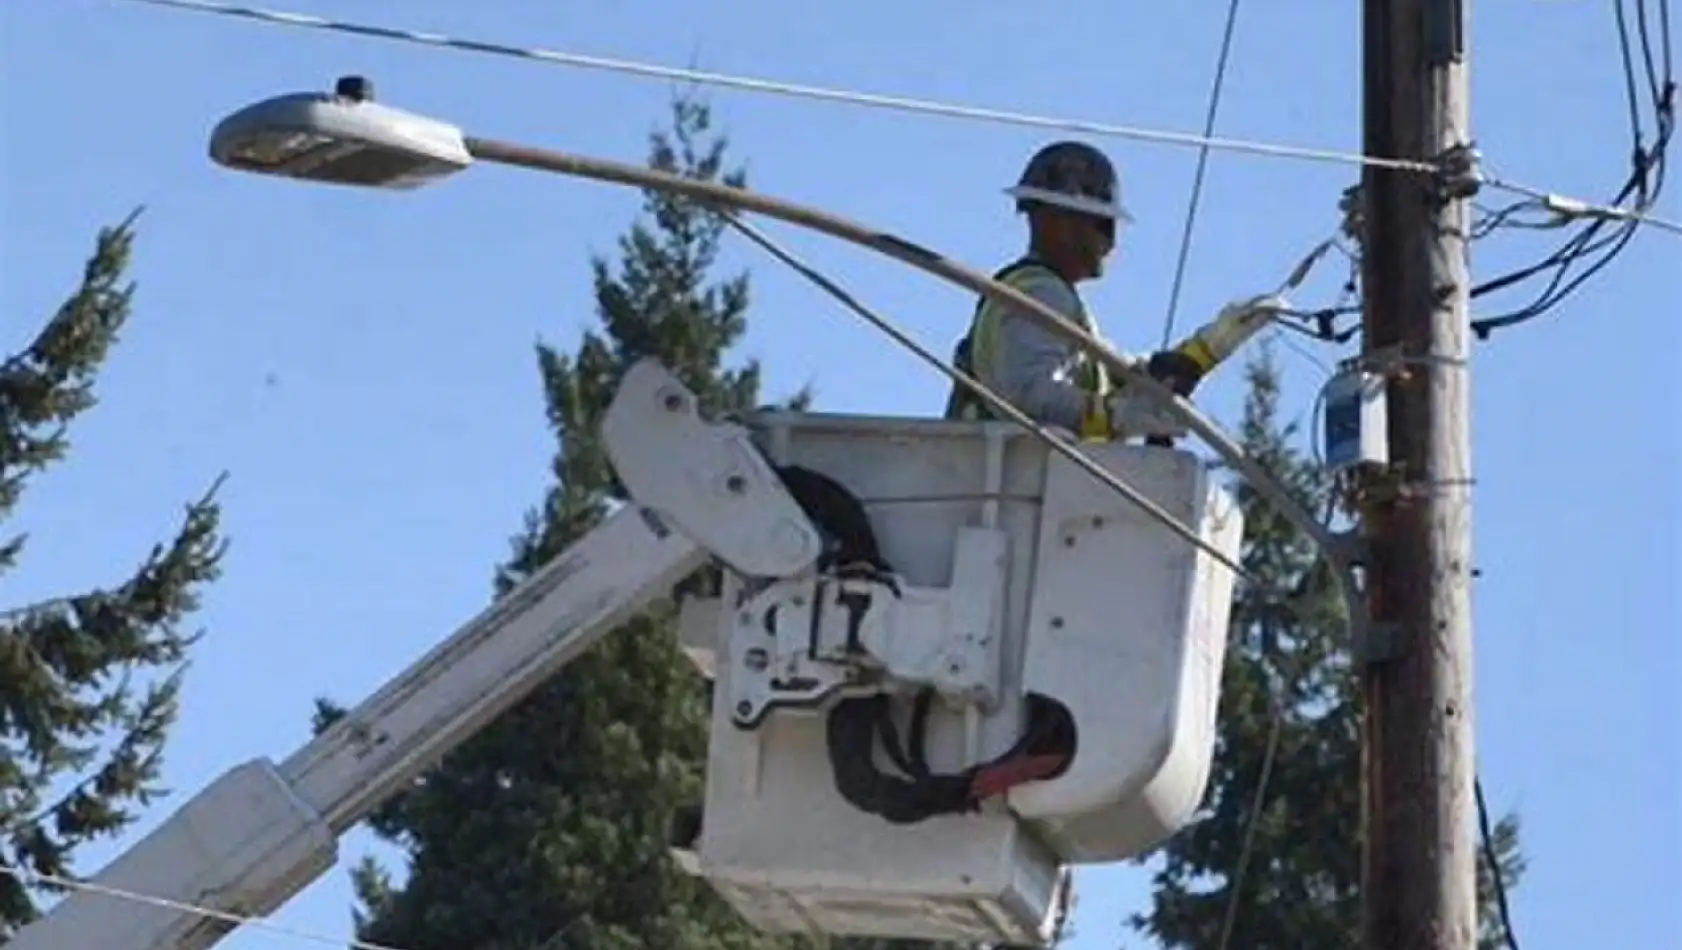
pixel 796 90
pixel 1492 862
pixel 1631 100
pixel 1252 824
pixel 1646 162
pixel 1277 697
pixel 923 259
pixel 732 201
pixel 1566 209
pixel 1654 83
pixel 995 402
pixel 1206 142
pixel 1489 220
pixel 830 94
pixel 1215 87
pixel 723 197
pixel 1644 184
pixel 37 878
pixel 1062 446
pixel 1235 881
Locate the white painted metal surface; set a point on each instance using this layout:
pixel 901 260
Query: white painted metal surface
pixel 1097 607
pixel 262 832
pixel 1013 572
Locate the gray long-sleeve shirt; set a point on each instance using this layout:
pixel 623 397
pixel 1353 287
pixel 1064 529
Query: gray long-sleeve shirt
pixel 1029 366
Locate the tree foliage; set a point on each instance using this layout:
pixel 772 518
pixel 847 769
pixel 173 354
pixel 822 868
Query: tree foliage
pixel 88 682
pixel 1300 887
pixel 549 829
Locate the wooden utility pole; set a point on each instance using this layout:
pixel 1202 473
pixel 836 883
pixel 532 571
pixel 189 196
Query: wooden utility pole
pixel 1419 861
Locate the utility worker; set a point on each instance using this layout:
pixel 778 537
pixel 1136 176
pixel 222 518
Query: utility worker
pixel 1070 194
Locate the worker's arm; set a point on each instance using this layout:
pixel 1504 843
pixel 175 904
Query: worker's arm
pixel 1185 364
pixel 1029 366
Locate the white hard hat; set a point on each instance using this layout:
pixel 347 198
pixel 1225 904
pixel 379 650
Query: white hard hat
pixel 1073 176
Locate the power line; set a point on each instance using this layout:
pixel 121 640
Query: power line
pixel 1642 187
pixel 1235 893
pixel 796 90
pixel 995 402
pixel 1197 176
pixel 830 94
pixel 1566 209
pixel 1497 876
pixel 1278 697
pixel 736 200
pixel 210 913
pixel 732 202
pixel 1205 142
pixel 1258 802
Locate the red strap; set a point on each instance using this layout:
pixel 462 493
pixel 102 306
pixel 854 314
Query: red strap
pixel 1004 776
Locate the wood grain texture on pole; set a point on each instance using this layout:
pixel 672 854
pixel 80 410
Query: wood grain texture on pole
pixel 1419 860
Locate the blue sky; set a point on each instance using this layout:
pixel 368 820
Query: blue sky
pixel 361 363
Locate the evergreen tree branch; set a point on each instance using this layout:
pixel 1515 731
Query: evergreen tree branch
pixel 69 668
pixel 89 683
pixel 48 384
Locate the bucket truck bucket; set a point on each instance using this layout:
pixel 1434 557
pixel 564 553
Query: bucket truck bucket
pixel 1000 668
pixel 948 664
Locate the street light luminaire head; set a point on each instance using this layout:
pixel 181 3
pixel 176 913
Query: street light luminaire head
pixel 341 138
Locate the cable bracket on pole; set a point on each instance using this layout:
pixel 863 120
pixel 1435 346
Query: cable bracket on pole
pixel 1459 173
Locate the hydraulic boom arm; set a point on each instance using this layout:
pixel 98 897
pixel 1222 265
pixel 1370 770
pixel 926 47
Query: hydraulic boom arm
pixel 263 831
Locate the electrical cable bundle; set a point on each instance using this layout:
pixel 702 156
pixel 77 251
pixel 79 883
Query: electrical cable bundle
pixel 1641 188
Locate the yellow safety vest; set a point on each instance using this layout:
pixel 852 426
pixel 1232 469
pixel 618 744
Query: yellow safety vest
pixel 977 347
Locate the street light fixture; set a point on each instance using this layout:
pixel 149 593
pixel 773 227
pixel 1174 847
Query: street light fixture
pixel 346 138
pixel 341 138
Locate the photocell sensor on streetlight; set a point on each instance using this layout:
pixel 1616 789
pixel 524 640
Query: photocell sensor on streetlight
pixel 341 138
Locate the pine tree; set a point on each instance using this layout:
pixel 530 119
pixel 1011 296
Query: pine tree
pixel 1300 889
pixel 549 830
pixel 88 682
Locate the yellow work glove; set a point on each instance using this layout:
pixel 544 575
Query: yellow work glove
pixel 1232 328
